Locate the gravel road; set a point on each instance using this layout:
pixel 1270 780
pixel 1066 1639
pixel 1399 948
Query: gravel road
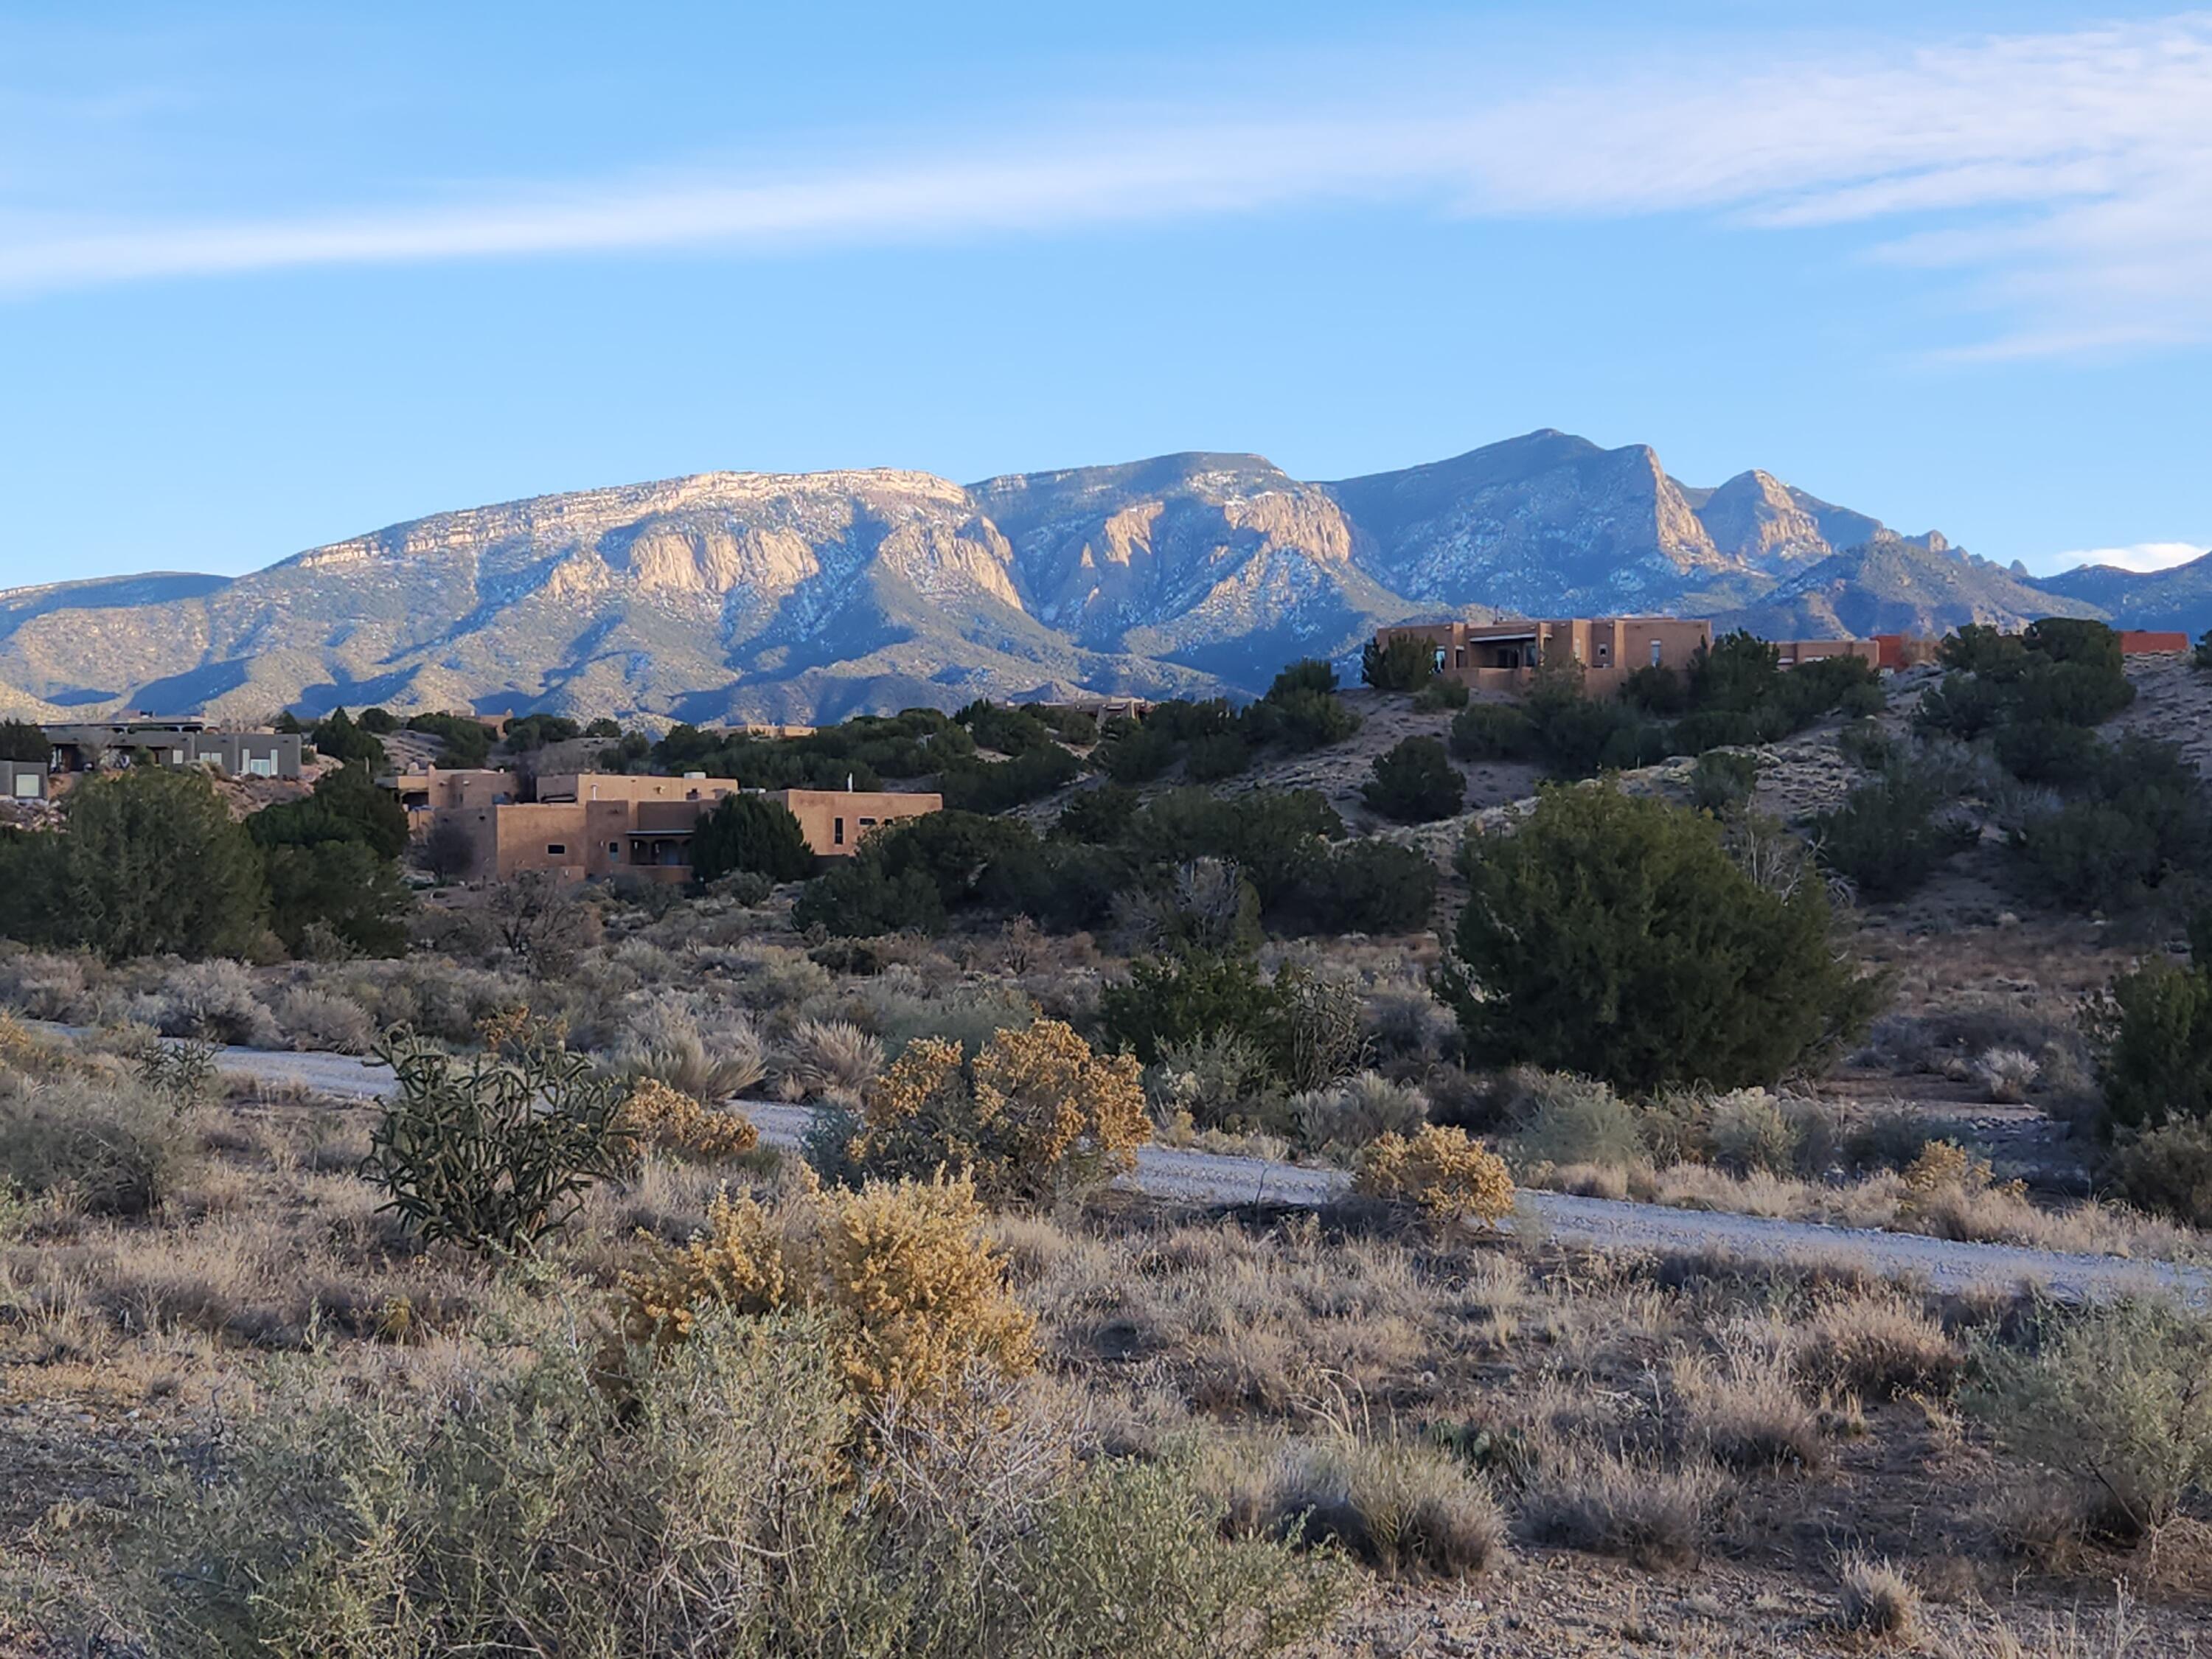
pixel 1602 1224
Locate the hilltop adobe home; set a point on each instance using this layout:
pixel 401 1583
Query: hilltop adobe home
pixel 2146 643
pixel 1504 656
pixel 434 789
pixel 1101 709
pixel 595 824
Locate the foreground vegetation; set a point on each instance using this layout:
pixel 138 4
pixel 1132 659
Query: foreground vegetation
pixel 1051 1432
pixel 552 1353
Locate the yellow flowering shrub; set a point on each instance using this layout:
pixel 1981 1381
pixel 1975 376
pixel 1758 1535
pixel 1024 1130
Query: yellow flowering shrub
pixel 919 1114
pixel 1438 1171
pixel 1940 1164
pixel 515 1030
pixel 1037 1115
pixel 908 1274
pixel 913 1291
pixel 1945 1172
pixel 659 1114
pixel 17 1047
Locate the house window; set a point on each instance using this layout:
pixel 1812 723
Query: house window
pixel 1440 663
pixel 261 766
pixel 614 849
pixel 555 850
pixel 1657 651
pixel 26 785
pixel 837 831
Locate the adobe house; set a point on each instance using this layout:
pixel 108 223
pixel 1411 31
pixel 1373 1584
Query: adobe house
pixel 433 790
pixel 631 786
pixel 1793 652
pixel 835 820
pixel 1101 709
pixel 2144 642
pixel 1504 656
pixel 591 825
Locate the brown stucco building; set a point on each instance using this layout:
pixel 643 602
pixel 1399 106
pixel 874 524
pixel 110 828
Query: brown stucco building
pixel 1504 656
pixel 836 820
pixel 437 789
pixel 595 824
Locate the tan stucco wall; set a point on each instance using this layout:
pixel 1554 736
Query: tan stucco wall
pixel 595 836
pixel 625 786
pixel 836 819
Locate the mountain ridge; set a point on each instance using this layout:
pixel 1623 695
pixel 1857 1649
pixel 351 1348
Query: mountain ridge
pixel 799 596
pixel 2177 598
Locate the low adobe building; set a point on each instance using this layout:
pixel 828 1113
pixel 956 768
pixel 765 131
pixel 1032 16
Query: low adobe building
pixel 1504 655
pixel 593 825
pixel 2150 642
pixel 436 789
pixel 1910 650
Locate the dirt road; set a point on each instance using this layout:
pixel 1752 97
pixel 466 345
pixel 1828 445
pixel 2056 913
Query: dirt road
pixel 1602 1224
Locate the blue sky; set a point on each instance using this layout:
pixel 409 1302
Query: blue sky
pixel 267 279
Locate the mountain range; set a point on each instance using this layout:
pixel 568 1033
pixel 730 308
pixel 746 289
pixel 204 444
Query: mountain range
pixel 740 595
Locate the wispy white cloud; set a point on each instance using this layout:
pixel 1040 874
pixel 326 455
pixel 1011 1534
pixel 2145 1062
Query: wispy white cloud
pixel 2067 177
pixel 2142 557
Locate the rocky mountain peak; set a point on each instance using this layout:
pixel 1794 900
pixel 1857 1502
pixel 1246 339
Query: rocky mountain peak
pixel 1757 519
pixel 791 596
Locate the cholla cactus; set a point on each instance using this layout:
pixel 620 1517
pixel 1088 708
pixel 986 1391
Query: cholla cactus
pixel 180 1074
pixel 495 1151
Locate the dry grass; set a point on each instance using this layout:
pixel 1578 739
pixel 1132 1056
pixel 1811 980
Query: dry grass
pixel 1656 1516
pixel 828 1059
pixel 239 1272
pixel 1265 1324
pixel 1742 1411
pixel 666 1042
pixel 1399 1506
pixel 1878 1347
pixel 1971 1211
pixel 1874 1597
